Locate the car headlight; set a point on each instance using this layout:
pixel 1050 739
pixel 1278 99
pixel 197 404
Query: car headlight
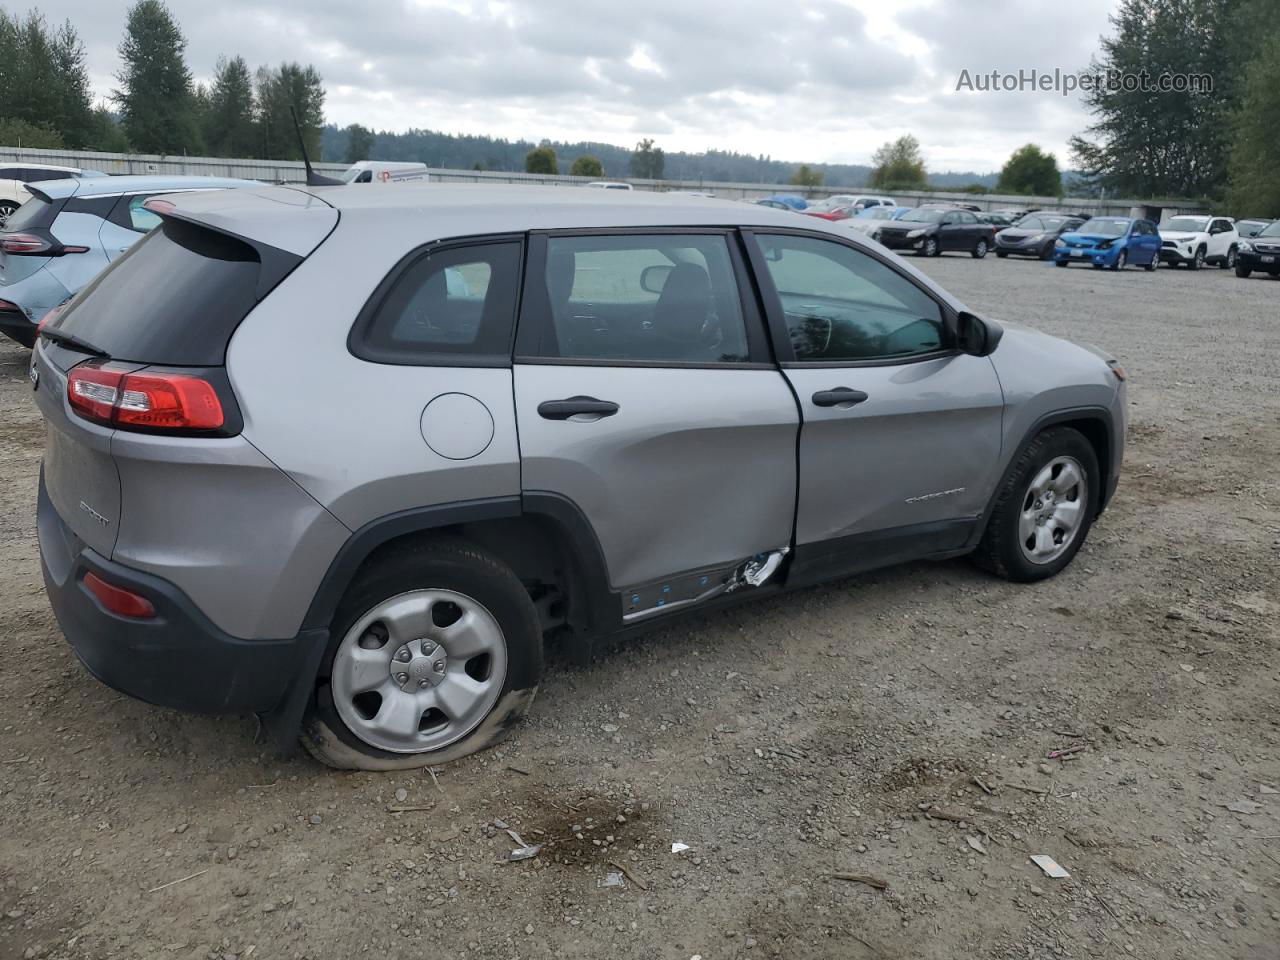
pixel 915 233
pixel 1036 239
pixel 1060 242
pixel 1245 247
pixel 1105 245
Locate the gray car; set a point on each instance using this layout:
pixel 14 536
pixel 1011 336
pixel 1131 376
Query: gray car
pixel 343 457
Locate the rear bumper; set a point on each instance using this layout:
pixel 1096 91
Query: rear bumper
pixel 177 659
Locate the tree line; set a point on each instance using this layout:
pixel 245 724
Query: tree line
pixel 45 100
pixel 1217 143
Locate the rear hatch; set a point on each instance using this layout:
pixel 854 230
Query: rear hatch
pixel 162 315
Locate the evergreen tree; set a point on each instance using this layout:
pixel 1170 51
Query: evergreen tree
pixel 359 143
pixel 1255 187
pixel 156 100
pixel 299 87
pixel 541 160
pixel 230 129
pixel 587 166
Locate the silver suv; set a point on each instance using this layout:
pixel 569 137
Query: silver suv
pixel 343 457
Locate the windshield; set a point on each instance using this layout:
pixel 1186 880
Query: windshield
pixel 1270 230
pixel 922 215
pixel 1187 224
pixel 1105 226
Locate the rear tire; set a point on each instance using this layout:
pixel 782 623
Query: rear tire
pixel 1003 549
pixel 1229 261
pixel 469 707
pixel 979 249
pixel 7 208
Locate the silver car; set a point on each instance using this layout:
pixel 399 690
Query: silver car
pixel 68 231
pixel 343 457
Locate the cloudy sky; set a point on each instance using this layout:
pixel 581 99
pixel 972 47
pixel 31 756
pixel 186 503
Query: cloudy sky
pixel 810 80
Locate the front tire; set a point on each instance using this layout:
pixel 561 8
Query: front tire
pixel 1000 254
pixel 1122 258
pixel 436 652
pixel 1242 271
pixel 1198 261
pixel 1061 263
pixel 1044 509
pixel 930 247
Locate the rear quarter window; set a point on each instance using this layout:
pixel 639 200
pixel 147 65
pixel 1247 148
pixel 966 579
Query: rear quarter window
pixel 175 297
pixel 451 305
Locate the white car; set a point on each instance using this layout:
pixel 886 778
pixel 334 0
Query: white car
pixel 870 219
pixel 608 185
pixel 859 201
pixel 1197 240
pixel 15 176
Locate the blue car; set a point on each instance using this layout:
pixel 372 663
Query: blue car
pixel 784 201
pixel 1111 242
pixel 71 230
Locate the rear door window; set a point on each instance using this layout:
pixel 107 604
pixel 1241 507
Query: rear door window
pixel 643 298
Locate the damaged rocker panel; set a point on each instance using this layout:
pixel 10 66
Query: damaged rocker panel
pixel 640 603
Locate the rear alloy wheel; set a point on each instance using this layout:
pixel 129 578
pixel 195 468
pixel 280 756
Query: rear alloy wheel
pixel 1198 260
pixel 436 652
pixel 1229 261
pixel 980 249
pixel 7 209
pixel 1121 259
pixel 1045 508
pixel 929 248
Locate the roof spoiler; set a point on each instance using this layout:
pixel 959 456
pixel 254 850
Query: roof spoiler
pixel 313 179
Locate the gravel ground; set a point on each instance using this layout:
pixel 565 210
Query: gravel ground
pixel 893 727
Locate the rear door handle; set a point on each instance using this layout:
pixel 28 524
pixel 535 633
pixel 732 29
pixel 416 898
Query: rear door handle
pixel 564 409
pixel 838 397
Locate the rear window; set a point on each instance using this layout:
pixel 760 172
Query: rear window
pixel 175 298
pixel 35 213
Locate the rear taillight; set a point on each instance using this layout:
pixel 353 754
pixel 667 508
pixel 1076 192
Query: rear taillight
pixel 24 244
pixel 158 206
pixel 146 400
pixel 34 245
pixel 118 600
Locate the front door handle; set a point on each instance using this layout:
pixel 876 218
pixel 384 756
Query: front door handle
pixel 564 409
pixel 838 397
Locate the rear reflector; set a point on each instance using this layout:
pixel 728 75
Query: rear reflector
pixel 149 400
pixel 118 600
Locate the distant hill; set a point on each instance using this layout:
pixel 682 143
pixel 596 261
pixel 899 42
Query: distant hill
pixel 465 151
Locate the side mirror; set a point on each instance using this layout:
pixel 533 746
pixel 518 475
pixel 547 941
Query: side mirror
pixel 653 279
pixel 975 336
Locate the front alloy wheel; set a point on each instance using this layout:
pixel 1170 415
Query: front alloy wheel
pixel 1045 506
pixel 1121 259
pixel 1198 261
pixel 929 248
pixel 1052 510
